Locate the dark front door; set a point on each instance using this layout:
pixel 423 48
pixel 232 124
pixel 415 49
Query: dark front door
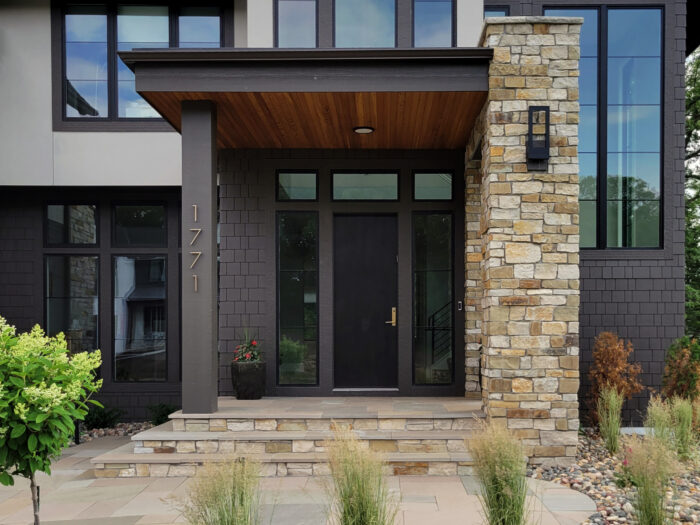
pixel 365 291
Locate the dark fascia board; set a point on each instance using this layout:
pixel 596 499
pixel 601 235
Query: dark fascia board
pixel 317 70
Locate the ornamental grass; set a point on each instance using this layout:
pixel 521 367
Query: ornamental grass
pixel 225 493
pixel 609 409
pixel 500 465
pixel 651 464
pixel 671 421
pixel 358 489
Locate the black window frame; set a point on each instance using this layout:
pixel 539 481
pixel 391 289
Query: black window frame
pixel 505 8
pixel 453 25
pixel 431 172
pixel 396 172
pixel 275 25
pixel 602 123
pixel 278 329
pixel 112 122
pixel 295 170
pixel 398 5
pixel 136 255
pixel 455 299
pixel 69 245
pixel 113 224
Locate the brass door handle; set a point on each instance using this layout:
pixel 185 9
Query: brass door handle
pixel 393 317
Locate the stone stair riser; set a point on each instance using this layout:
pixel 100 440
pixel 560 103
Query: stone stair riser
pixel 281 469
pixel 263 446
pixel 311 424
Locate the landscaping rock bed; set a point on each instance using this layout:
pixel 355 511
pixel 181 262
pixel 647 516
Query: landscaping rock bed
pixel 120 429
pixel 594 475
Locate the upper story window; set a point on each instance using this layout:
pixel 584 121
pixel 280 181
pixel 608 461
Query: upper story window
pixel 97 84
pixel 432 23
pixel 297 23
pixel 365 23
pixel 620 126
pixel 491 11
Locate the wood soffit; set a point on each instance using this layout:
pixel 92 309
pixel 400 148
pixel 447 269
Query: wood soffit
pixel 314 98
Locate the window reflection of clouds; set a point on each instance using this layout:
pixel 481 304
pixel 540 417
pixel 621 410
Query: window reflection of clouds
pixel 365 23
pixel 296 23
pixel 432 23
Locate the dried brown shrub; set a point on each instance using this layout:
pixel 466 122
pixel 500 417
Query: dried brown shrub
pixel 611 366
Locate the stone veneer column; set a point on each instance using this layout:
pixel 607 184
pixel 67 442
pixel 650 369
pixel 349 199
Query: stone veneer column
pixel 530 237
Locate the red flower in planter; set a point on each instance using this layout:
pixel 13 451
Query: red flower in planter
pixel 247 356
pixel 235 358
pixel 254 342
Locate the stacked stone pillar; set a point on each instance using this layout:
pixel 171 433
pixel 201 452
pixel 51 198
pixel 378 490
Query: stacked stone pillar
pixel 530 237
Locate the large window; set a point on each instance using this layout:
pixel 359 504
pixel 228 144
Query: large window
pixel 297 261
pixel 71 299
pixel 96 83
pixel 433 312
pixel 140 318
pixel 620 127
pixel 432 23
pixel 296 23
pixel 365 23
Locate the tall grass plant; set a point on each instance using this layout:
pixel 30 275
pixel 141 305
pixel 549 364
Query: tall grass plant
pixel 500 465
pixel 226 493
pixel 358 488
pixel 609 410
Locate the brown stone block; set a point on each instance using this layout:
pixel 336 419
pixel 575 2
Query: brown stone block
pixel 383 445
pixel 568 386
pixel 410 468
pixel 508 70
pixel 534 70
pixel 502 94
pixel 566 313
pixel 569 362
pixel 526 433
pixel 500 188
pixel 273 447
pixel 527 413
pixel 536 328
pixel 556 341
pixel 515 82
pixel 164 450
pixel 521 385
pixel 541 29
pixel 572 373
pixel 549 451
pixel 500 385
pixel 501 272
pixel 516 300
pixel 496 82
pixel 530 283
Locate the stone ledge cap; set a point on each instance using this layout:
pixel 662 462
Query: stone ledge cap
pixel 554 20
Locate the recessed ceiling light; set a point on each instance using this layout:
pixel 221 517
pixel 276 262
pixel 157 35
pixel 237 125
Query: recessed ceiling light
pixel 363 130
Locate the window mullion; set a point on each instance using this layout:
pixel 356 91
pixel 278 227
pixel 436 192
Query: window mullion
pixel 173 13
pixel 602 241
pixel 112 84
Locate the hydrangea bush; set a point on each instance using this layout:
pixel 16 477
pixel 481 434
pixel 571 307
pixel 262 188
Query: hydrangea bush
pixel 43 390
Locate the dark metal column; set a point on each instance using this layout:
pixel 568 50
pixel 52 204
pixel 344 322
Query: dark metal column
pixel 199 268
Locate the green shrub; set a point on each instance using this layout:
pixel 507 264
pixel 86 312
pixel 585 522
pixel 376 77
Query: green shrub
pixel 499 461
pixel 683 435
pixel 291 351
pixel 359 491
pixel 226 493
pixel 43 390
pixel 651 465
pixel 609 410
pixel 102 417
pixel 160 412
pixel 682 372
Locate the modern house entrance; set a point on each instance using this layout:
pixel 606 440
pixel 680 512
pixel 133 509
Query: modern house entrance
pixel 344 251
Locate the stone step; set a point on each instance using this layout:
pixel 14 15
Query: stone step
pixel 123 462
pixel 293 424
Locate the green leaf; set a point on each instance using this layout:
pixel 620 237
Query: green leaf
pixel 17 431
pixel 42 417
pixel 16 381
pixel 45 439
pixel 31 442
pixel 6 479
pixel 95 402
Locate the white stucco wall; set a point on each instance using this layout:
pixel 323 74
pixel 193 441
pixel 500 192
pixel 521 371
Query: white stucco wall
pixel 470 18
pixel 117 159
pixel 26 146
pixel 260 23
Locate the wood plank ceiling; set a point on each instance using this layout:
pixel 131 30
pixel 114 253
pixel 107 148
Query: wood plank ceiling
pixel 402 120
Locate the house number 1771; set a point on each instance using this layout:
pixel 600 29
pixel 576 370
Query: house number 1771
pixel 196 232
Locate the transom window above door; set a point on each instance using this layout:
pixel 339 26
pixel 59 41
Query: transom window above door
pixel 96 85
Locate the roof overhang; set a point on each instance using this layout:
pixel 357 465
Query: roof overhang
pixel 414 99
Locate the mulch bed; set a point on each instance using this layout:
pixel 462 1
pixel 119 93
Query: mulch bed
pixel 594 475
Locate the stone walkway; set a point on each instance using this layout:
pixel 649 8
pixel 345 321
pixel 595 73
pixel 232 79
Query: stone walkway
pixel 72 496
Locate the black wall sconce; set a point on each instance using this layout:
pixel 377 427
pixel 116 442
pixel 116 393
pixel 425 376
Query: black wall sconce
pixel 537 138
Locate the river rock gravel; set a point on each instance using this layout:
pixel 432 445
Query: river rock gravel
pixel 594 475
pixel 120 429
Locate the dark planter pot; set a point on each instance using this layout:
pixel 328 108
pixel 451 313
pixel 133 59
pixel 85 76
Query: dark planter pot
pixel 248 379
